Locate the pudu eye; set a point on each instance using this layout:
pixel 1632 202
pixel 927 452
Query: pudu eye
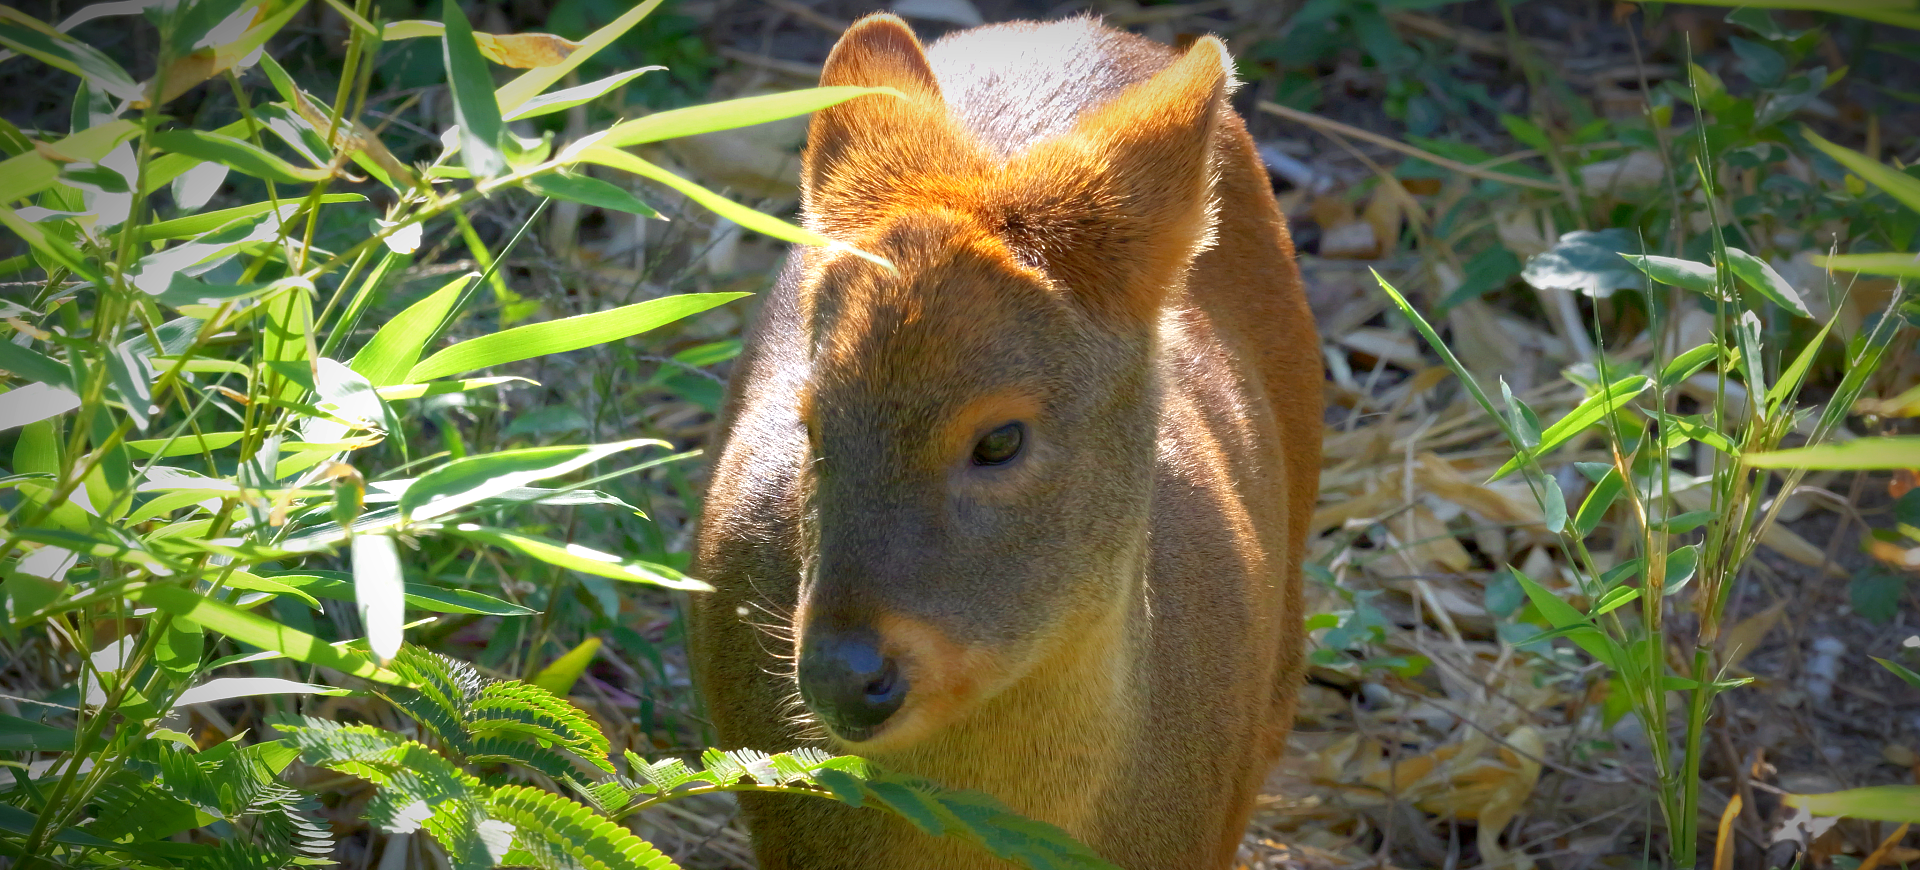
pixel 1001 445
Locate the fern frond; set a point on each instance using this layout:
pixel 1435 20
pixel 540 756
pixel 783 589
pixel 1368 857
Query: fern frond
pixel 554 833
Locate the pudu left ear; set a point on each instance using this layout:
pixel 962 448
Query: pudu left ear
pixel 1118 208
pixel 859 150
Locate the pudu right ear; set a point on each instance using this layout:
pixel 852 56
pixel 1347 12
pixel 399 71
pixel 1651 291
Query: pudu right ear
pixel 861 150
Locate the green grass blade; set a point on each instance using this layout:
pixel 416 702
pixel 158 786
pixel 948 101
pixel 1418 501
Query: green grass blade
pixel 1892 265
pixel 559 336
pixel 590 191
pixel 1879 803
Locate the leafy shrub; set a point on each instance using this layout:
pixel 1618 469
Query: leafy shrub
pixel 193 448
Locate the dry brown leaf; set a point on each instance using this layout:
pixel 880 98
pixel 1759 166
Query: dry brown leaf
pixel 1337 514
pixel 1745 636
pixel 1881 855
pixel 1509 797
pixel 1392 345
pixel 355 138
pixel 1723 843
pixel 1353 240
pixel 525 50
pixel 1430 545
pixel 1777 538
pixel 1438 477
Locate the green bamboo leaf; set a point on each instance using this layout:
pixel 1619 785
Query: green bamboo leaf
pixel 559 336
pixel 587 190
pixel 186 445
pixel 284 339
pixel 765 224
pixel 205 222
pixel 439 388
pixel 1756 273
pixel 1564 616
pixel 1615 599
pixel 1681 565
pixel 396 348
pixel 35 39
pixel 53 247
pixel 1594 508
pixel 420 596
pixel 229 688
pixel 236 154
pixel 476 478
pixel 30 172
pixel 1698 277
pixel 581 558
pixel 729 114
pixel 516 93
pixel 1902 187
pixel 474 104
pixel 1790 379
pixel 24 362
pixel 559 676
pixel 21 735
pixel 1577 420
pixel 1900 671
pixel 1879 803
pixel 1688 364
pixel 260 631
pixel 1525 422
pixel 574 96
pixel 1898 451
pixel 1894 265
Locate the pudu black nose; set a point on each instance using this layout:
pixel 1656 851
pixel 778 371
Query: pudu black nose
pixel 847 682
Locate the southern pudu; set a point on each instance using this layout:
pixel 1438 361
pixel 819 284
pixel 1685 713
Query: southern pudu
pixel 1024 512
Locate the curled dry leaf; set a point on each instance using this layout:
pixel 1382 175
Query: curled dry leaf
pixel 355 138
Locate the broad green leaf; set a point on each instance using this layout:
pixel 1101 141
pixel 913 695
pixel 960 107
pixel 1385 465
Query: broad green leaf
pixel 24 362
pixel 1681 565
pixel 473 102
pixel 1688 363
pixel 566 99
pixel 1895 265
pixel 204 222
pixel 513 94
pixel 21 735
pixel 1902 187
pixel 237 154
pixel 256 583
pixel 587 190
pixel 395 349
pixel 1698 277
pixel 559 336
pixel 1587 413
pixel 35 39
pixel 729 114
pixel 1879 803
pixel 476 478
pixel 33 403
pixel 260 631
pixel 1896 451
pixel 1756 273
pixel 1553 502
pixel 582 558
pixel 1525 422
pixel 559 676
pixel 1587 262
pixel 183 290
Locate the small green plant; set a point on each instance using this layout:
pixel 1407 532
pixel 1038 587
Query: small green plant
pixel 1695 490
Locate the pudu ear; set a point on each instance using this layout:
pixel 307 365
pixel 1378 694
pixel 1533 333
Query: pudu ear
pixel 859 150
pixel 1117 209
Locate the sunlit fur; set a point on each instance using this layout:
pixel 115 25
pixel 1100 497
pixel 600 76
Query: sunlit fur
pixel 1104 632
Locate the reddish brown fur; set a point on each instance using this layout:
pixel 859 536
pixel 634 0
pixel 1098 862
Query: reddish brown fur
pixel 1105 635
